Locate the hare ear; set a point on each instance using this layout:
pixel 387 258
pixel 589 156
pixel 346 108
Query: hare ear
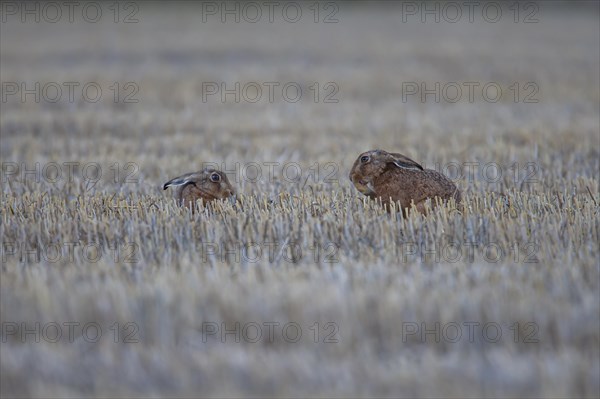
pixel 178 181
pixel 401 161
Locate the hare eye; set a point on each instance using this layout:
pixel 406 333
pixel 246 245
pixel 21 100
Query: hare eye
pixel 364 159
pixel 215 177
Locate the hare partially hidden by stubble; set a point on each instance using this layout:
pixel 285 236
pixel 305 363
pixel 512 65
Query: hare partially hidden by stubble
pixel 395 177
pixel 207 184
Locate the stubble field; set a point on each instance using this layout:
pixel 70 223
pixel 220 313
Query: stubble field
pixel 302 287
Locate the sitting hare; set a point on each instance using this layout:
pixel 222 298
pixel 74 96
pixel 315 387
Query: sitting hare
pixel 208 184
pixel 394 177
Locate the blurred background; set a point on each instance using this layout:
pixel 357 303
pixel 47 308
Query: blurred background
pixel 146 91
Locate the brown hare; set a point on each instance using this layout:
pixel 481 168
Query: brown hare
pixel 207 184
pixel 392 176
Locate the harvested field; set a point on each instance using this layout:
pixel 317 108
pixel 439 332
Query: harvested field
pixel 302 287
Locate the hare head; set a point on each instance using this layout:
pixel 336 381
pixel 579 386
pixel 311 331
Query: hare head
pixel 372 164
pixel 208 185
